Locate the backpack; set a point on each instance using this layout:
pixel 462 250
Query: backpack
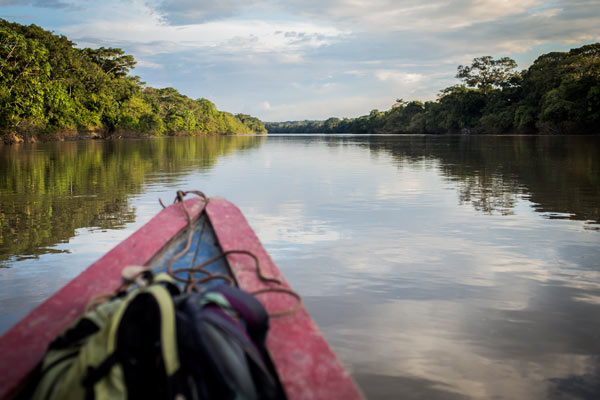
pixel 221 336
pixel 155 343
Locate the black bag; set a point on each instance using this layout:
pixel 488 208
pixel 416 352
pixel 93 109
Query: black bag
pixel 221 338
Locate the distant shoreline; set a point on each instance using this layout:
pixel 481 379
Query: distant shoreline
pixel 432 134
pixel 84 136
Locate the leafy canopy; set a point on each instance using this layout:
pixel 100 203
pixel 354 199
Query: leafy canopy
pixel 486 73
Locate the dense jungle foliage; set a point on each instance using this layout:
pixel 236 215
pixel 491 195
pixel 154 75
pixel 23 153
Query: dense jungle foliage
pixel 558 94
pixel 50 87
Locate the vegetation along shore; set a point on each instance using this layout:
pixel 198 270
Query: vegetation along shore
pixel 558 94
pixel 51 90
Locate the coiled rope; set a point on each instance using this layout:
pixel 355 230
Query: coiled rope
pixel 142 275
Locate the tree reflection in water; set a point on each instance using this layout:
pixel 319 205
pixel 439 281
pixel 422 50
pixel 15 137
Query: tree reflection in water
pixel 559 174
pixel 49 190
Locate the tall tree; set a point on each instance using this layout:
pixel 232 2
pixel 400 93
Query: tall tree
pixel 113 61
pixel 485 73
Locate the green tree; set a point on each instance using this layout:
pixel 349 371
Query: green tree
pixel 253 123
pixel 60 110
pixel 486 73
pixel 562 91
pixel 24 74
pixel 112 61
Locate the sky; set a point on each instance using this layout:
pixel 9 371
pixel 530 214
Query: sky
pixel 313 59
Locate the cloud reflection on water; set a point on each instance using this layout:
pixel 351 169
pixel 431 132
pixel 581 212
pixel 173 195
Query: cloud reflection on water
pixel 454 302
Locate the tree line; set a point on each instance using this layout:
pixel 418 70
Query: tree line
pixel 49 87
pixel 558 94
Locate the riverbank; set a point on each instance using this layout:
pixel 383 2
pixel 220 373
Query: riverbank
pixel 14 138
pixel 73 135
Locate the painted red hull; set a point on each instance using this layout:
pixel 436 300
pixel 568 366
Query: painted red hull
pixel 307 366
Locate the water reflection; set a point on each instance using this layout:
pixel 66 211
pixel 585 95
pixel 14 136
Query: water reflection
pixel 585 386
pixel 447 280
pixel 437 267
pixel 560 175
pixel 49 190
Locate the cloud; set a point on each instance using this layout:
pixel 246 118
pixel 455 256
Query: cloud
pixel 523 33
pixel 38 3
pixel 510 26
pixel 185 12
pixel 399 77
pixel 148 64
pixel 323 108
pixel 373 15
pixel 547 13
pixel 148 34
pixel 393 15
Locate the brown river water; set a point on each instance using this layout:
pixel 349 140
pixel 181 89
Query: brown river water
pixel 437 267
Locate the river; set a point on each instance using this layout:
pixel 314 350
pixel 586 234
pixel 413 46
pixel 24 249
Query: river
pixel 438 267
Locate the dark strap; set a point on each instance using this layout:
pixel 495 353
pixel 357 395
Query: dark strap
pixel 82 330
pixel 94 374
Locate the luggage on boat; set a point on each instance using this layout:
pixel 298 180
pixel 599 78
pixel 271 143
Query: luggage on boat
pixel 221 336
pixel 155 343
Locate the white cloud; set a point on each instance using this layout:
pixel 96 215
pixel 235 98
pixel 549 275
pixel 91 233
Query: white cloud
pixel 323 108
pixel 39 3
pixel 181 12
pixel 588 298
pixel 148 64
pixel 393 15
pixel 548 13
pixel 148 35
pixel 355 72
pixel 399 77
pixel 291 58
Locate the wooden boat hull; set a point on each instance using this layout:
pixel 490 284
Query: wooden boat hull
pixel 307 366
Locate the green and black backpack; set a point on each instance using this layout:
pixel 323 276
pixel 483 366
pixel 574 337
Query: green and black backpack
pixel 155 343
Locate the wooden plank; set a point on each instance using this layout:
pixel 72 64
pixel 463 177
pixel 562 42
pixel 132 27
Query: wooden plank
pixel 23 346
pixel 306 363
